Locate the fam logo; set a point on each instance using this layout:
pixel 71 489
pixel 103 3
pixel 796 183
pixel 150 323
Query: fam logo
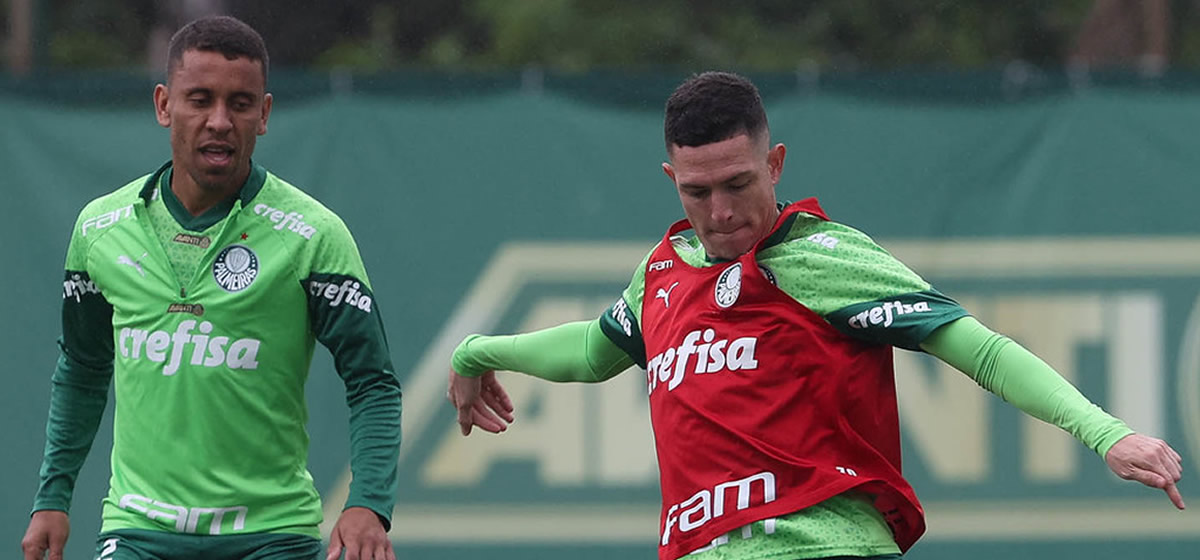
pixel 236 268
pixel 729 286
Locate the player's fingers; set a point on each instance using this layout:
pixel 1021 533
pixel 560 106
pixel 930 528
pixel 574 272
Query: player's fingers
pixel 352 550
pixel 33 548
pixel 494 386
pixel 1175 496
pixel 1174 469
pixel 493 401
pixel 465 417
pixel 335 546
pixel 56 548
pixel 389 551
pixel 1149 478
pixel 487 420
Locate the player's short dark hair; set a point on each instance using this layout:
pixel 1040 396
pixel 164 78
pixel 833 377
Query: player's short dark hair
pixel 223 34
pixel 712 107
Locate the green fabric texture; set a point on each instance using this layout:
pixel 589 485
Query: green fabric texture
pixel 225 354
pixel 578 351
pixel 1015 374
pixel 845 525
pixel 185 247
pixel 78 396
pixel 832 269
pixel 822 278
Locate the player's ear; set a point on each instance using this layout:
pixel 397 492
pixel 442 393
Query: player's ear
pixel 266 114
pixel 670 171
pixel 160 106
pixel 775 158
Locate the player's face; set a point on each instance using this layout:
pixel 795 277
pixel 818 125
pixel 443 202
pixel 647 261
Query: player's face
pixel 216 108
pixel 728 191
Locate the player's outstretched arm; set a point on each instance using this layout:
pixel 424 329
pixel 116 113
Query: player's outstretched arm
pixel 1007 369
pixel 571 352
pixel 47 534
pixel 1148 460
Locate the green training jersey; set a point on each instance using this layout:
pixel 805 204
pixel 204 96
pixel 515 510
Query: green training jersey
pixel 209 367
pixel 859 288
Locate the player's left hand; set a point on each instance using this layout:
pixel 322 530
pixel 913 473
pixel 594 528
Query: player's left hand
pixel 480 401
pixel 1148 460
pixel 360 535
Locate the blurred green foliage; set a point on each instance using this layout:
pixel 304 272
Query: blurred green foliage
pixel 578 35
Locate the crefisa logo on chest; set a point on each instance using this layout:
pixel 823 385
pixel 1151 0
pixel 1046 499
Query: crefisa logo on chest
pixel 236 268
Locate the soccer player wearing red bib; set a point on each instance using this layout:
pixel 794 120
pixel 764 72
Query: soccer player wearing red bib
pixel 767 342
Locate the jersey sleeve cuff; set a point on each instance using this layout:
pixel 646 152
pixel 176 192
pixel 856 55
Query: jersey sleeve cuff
pixel 461 361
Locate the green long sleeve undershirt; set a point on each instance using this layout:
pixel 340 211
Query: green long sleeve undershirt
pixel 1007 369
pixel 580 352
pixel 78 395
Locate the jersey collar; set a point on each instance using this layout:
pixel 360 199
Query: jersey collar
pixel 249 190
pixel 782 230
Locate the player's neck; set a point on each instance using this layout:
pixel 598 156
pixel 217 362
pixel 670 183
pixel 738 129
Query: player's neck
pixel 198 200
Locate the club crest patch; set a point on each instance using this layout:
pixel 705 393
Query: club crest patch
pixel 236 268
pixel 729 286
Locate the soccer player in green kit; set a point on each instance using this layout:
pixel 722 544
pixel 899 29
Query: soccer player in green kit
pixel 767 340
pixel 199 291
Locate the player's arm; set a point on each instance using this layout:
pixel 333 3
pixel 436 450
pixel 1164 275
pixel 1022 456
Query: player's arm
pixel 1005 368
pixel 351 327
pixel 878 299
pixel 78 396
pixel 582 351
pixel 571 352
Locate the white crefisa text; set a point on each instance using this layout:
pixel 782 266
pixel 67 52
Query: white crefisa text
pixel 291 220
pixel 207 350
pixel 885 314
pixel 712 356
pixel 336 294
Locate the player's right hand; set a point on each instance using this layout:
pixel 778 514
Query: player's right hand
pixel 47 532
pixel 480 401
pixel 1148 460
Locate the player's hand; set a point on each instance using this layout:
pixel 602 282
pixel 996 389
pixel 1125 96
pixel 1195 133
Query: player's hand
pixel 480 401
pixel 359 534
pixel 1147 460
pixel 47 532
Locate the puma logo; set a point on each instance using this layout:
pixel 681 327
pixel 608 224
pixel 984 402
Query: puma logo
pixel 666 295
pixel 135 264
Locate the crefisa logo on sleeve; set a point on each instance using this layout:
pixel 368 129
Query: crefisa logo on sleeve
pixel 235 268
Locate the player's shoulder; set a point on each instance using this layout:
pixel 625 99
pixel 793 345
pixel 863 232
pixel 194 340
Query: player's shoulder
pixel 812 234
pixel 107 210
pixel 281 202
pixel 276 190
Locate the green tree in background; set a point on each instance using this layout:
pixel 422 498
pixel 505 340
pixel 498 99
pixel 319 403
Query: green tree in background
pixel 579 35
